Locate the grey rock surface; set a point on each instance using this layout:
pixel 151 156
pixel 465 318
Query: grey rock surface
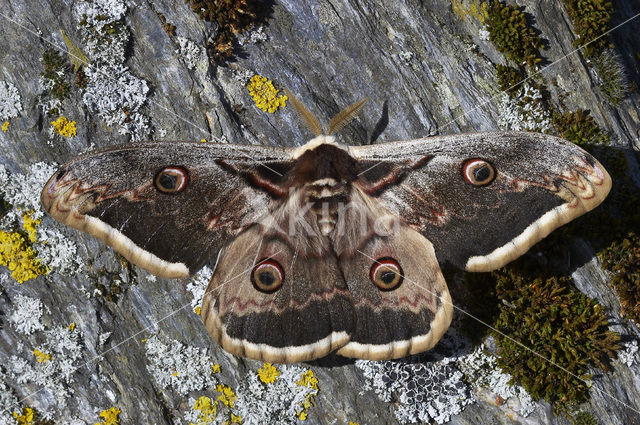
pixel 426 70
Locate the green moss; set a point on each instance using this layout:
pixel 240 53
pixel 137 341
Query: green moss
pixel 580 128
pixel 55 68
pixel 81 79
pixel 591 20
pixel 232 16
pixel 509 78
pixel 512 35
pixel 584 418
pixel 549 316
pixel 622 259
pixel 615 84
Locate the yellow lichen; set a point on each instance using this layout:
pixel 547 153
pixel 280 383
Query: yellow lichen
pixel 308 379
pixel 29 225
pixel 235 419
pixel 227 396
pixel 475 9
pixel 208 411
pixel 110 417
pixel 5 126
pixel 20 257
pixel 268 373
pixel 265 95
pixel 27 417
pixel 41 357
pixel 64 127
pixel 216 368
pixel 72 326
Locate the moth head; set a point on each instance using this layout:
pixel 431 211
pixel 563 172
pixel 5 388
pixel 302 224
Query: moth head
pixel 267 275
pixel 478 172
pixel 386 274
pixel 172 179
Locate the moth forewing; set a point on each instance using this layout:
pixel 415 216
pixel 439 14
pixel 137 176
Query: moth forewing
pixel 328 248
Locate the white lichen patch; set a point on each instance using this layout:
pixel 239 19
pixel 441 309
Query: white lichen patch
pixel 481 369
pixel 629 353
pixel 178 366
pixel 8 401
pixel 242 75
pixel 254 36
pixel 50 367
pixel 450 377
pixel 112 92
pixel 116 95
pixel 26 314
pixel 524 111
pixel 10 102
pixel 190 53
pixel 197 286
pixel 283 401
pixel 100 13
pixel 431 391
pixel 405 57
pixel 22 191
pixel 483 33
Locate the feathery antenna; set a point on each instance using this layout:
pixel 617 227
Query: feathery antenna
pixel 345 116
pixel 336 124
pixel 305 114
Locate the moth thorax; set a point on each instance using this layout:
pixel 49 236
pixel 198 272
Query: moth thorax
pixel 326 198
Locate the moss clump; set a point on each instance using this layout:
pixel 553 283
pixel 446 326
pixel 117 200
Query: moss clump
pixel 232 16
pixel 512 35
pixel 81 79
pixel 509 79
pixel 55 67
pixel 584 418
pixel 580 128
pixel 622 258
pixel 615 84
pixel 167 26
pixel 590 22
pixel 559 323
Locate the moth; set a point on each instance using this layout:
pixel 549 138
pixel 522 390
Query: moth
pixel 326 247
